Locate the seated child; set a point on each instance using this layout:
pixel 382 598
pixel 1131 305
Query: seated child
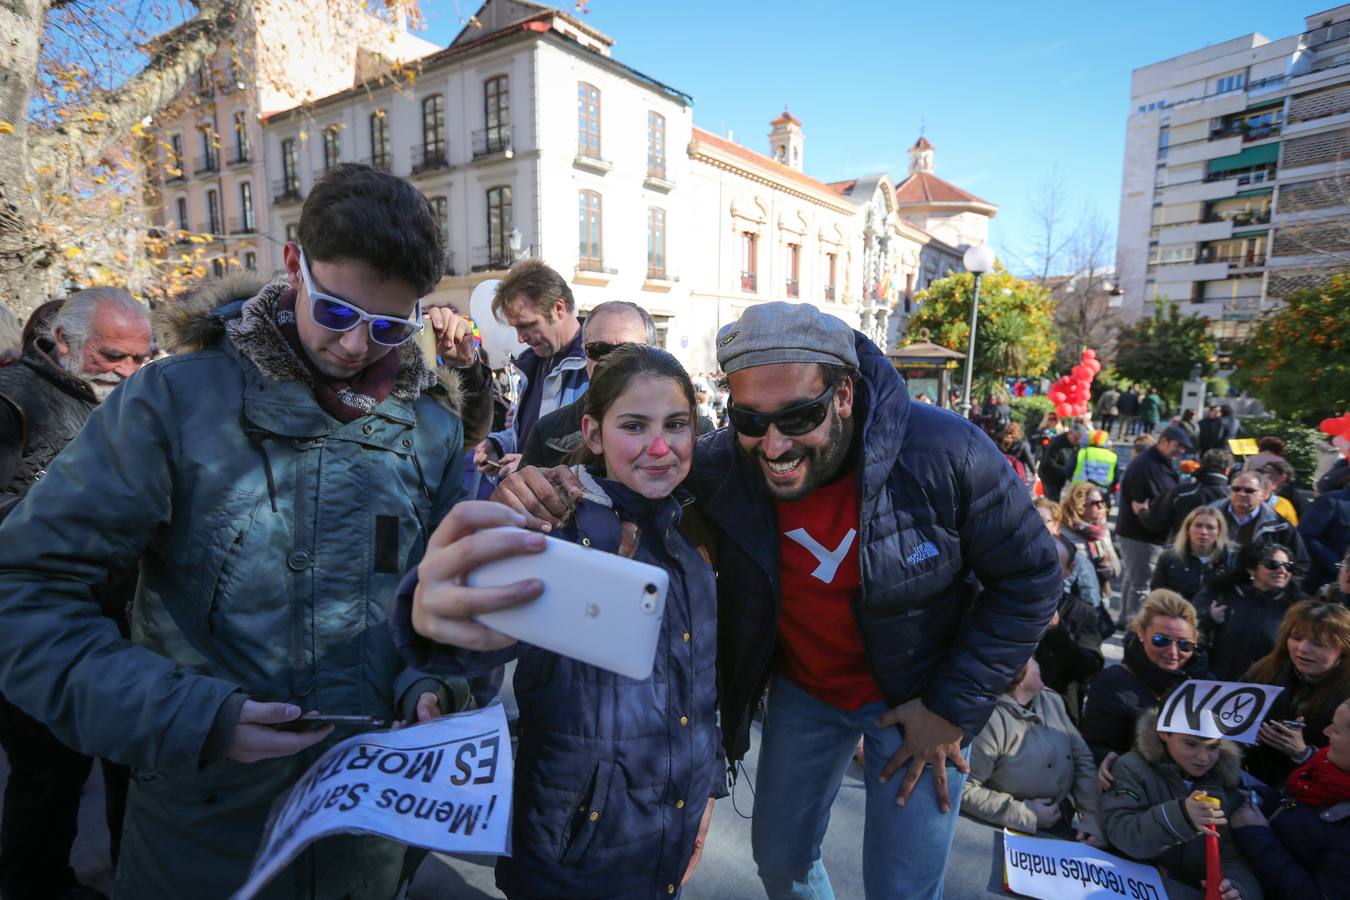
pixel 1153 813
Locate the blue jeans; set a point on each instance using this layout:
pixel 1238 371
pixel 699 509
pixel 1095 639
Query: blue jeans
pixel 804 750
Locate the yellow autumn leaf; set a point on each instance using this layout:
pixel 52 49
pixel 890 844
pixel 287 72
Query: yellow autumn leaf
pixel 73 252
pixel 138 129
pixel 5 127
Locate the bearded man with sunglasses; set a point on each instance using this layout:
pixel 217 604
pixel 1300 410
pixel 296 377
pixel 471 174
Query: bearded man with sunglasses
pixel 880 571
pixel 273 480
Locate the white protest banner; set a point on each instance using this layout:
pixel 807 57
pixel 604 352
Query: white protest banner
pixel 444 785
pixel 1218 709
pixel 1068 870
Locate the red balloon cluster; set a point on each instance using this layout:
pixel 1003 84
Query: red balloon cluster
pixel 1338 426
pixel 1071 394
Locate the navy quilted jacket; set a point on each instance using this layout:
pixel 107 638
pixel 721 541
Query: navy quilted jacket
pixel 612 774
pixel 960 577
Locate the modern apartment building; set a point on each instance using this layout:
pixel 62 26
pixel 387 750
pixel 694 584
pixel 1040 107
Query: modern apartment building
pixel 1235 191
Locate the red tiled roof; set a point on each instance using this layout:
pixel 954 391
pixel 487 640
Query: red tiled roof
pixel 842 187
pixel 922 144
pixel 786 117
pixel 925 187
pixel 707 137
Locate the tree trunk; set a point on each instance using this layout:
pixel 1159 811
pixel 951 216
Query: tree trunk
pixel 22 254
pixel 55 155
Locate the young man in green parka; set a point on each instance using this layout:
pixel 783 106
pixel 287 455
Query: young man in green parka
pixel 274 479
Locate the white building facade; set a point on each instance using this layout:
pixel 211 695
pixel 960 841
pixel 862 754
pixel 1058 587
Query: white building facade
pixel 530 139
pixel 1234 192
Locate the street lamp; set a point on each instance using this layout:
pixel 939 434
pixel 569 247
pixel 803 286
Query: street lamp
pixel 978 259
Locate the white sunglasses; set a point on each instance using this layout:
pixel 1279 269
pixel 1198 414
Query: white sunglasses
pixel 337 314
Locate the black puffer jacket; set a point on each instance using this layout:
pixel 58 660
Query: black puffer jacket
pixel 1186 573
pixel 1119 695
pixel 1171 508
pixel 959 575
pixel 42 408
pixel 1249 627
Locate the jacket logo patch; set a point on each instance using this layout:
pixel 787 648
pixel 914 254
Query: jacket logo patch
pixel 926 550
pixel 729 338
pixel 828 560
pixel 1126 792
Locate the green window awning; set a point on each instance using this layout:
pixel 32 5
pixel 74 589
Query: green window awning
pixel 1249 158
pixel 1255 193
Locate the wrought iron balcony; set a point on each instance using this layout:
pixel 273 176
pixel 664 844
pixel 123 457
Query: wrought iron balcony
pixel 491 141
pixel 428 156
pixel 748 282
pixel 286 190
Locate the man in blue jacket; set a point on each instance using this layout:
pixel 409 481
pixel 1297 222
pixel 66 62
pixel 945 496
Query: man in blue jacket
pixel 878 564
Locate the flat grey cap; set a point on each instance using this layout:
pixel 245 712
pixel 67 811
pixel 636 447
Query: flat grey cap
pixel 779 332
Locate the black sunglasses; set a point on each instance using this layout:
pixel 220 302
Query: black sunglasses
pixel 791 422
pixel 1243 490
pixel 1276 566
pixel 598 350
pixel 1097 502
pixel 1161 640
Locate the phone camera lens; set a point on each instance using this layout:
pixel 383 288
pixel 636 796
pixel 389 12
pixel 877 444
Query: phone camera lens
pixel 651 589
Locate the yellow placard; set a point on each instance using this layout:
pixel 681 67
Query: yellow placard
pixel 1242 446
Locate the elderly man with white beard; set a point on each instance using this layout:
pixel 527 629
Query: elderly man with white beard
pixel 97 339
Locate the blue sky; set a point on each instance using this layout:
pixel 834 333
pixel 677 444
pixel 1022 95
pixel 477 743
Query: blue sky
pixel 1006 90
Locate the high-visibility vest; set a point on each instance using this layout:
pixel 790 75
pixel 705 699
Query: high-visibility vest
pixel 1097 465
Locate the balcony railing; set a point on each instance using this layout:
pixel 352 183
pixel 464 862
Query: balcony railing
pixel 242 156
pixel 490 257
pixel 657 273
pixel 1237 260
pixel 1240 220
pixel 748 282
pixel 591 264
pixel 793 288
pixel 428 156
pixel 491 141
pixel 829 292
pixel 382 161
pixel 177 175
pixel 1249 134
pixel 211 229
pixel 286 190
pixel 657 171
pixel 448 264
pixel 206 164
pixel 243 225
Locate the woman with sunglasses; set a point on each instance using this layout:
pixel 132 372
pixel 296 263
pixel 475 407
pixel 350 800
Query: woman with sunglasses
pixel 1083 521
pixel 1311 661
pixel 1199 553
pixel 1240 611
pixel 1160 653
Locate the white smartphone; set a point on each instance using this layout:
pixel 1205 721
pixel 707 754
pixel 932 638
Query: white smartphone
pixel 597 607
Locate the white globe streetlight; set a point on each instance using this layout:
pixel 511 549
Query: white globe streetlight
pixel 979 259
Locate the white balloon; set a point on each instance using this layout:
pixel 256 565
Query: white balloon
pixel 498 340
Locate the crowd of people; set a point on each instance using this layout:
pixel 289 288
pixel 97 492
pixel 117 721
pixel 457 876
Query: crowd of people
pixel 275 517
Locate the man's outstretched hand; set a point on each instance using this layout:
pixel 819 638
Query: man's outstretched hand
pixel 546 496
pixel 927 739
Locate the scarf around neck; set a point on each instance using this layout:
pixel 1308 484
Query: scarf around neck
pixel 344 400
pixel 1319 781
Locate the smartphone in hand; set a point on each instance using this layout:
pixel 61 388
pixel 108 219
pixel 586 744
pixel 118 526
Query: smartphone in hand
pixel 598 608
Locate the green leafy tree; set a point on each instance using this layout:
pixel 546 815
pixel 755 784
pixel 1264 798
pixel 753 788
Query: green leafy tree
pixel 1297 361
pixel 1163 349
pixel 1015 334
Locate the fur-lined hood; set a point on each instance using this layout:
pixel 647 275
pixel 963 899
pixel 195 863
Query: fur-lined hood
pixel 1148 745
pixel 195 322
